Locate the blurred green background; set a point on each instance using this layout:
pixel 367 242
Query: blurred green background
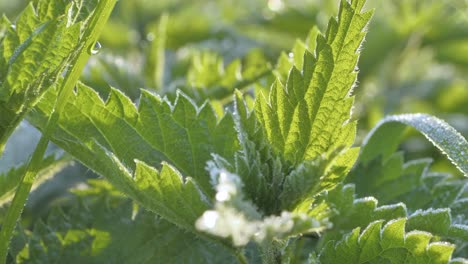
pixel 415 59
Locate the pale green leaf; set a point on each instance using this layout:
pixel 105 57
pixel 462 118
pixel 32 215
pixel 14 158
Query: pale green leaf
pixel 309 114
pixel 384 138
pixel 34 52
pixel 110 136
pixel 348 213
pixel 183 134
pixel 169 194
pixel 387 244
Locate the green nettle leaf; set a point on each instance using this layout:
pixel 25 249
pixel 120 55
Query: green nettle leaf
pixel 260 176
pixel 388 243
pixel 273 149
pixel 347 213
pixel 286 140
pixel 34 52
pixel 102 226
pixel 385 137
pixel 259 168
pixel 126 145
pixel 384 174
pixel 309 114
pixel 392 181
pixel 169 194
pixel 279 167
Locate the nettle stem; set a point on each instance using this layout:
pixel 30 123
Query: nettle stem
pixel 94 27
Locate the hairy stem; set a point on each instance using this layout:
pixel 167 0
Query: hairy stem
pixel 94 28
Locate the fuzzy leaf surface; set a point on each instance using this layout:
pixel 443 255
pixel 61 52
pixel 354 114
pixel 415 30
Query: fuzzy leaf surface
pixel 128 145
pixel 102 226
pixel 348 213
pixel 309 114
pixel 385 137
pixel 34 51
pixel 389 243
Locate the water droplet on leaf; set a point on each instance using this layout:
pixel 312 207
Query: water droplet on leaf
pixel 94 49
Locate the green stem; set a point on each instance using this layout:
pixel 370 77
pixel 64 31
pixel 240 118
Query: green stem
pixel 241 257
pixel 92 32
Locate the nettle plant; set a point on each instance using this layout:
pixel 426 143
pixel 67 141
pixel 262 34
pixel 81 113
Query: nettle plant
pixel 272 178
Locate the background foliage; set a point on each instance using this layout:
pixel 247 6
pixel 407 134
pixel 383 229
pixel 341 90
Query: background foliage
pixel 415 59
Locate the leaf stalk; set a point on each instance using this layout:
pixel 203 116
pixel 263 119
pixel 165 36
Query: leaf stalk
pixel 94 27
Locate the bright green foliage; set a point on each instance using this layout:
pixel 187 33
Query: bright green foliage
pixel 33 54
pixel 260 170
pixel 389 243
pixel 298 56
pixel 263 176
pixel 280 148
pixel 103 227
pixel 186 136
pixel 309 114
pixel 300 138
pixel 10 180
pixel 21 77
pixel 272 183
pixel 384 175
pixel 349 213
pixel 183 135
pixel 167 193
pixel 394 181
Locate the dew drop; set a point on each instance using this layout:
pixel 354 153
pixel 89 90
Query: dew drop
pixel 94 49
